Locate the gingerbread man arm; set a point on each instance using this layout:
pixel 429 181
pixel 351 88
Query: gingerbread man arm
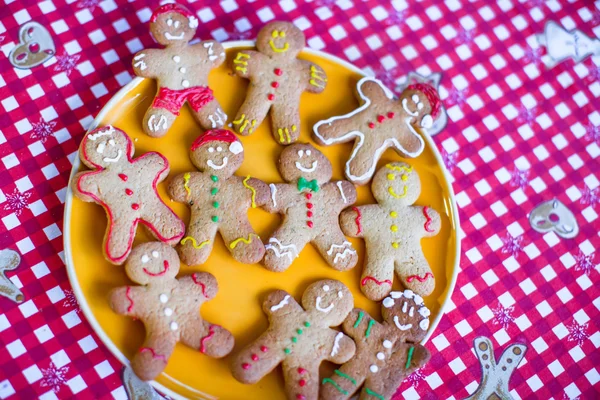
pixel 155 162
pixel 201 284
pixel 84 188
pixel 280 302
pixel 279 195
pixel 123 300
pixel 351 222
pixel 357 322
pixel 212 51
pixel 432 221
pixel 179 186
pixel 142 67
pixel 342 347
pixel 316 78
pixel 340 190
pixel 258 191
pixel 245 61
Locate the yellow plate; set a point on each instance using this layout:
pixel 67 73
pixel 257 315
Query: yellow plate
pixel 237 306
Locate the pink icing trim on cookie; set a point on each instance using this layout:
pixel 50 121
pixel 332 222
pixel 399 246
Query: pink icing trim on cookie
pixel 154 354
pixel 128 295
pixel 211 333
pixel 197 282
pixel 428 222
pixel 370 278
pixel 357 220
pixel 417 277
pixel 164 271
pixel 122 257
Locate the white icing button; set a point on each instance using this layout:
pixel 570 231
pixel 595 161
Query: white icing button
pixel 374 368
pixel 326 288
pixel 145 258
pixel 388 302
pixel 168 312
pixel 163 298
pixel 380 356
pixel 340 294
pixel 185 83
pixel 155 254
pixel 174 326
pixel 182 70
pixel 424 324
pixel 176 59
pixel 387 344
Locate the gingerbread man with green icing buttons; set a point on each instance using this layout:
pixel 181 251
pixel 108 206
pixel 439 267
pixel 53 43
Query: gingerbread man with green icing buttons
pixel 277 79
pixel 300 338
pixel 392 230
pixel 386 352
pixel 181 71
pixel 219 200
pixel 310 204
pixel 168 307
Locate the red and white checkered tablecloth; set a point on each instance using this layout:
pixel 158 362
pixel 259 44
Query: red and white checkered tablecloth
pixel 518 134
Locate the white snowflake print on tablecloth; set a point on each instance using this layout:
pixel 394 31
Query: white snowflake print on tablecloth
pixel 53 377
pixel 595 74
pixel 388 77
pixel 584 263
pixel 512 245
pixel 89 4
pixel 416 377
pixel 503 316
pixel 526 115
pixel 589 197
pixel 519 178
pixel 237 35
pixel 396 17
pixel 577 332
pixel 450 160
pixel 42 130
pixel 71 301
pixel 17 201
pixel 457 97
pixel 533 55
pixel 66 63
pixel 592 133
pixel 466 36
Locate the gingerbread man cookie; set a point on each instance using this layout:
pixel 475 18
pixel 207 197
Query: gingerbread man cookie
pixel 277 79
pixel 310 204
pixel 219 200
pixel 300 338
pixel 386 352
pixel 126 189
pixel 168 307
pixel 392 230
pixel 181 71
pixel 382 121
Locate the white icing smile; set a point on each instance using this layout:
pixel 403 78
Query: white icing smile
pixel 400 326
pixel 303 169
pixel 173 37
pixel 323 310
pixel 211 164
pixel 114 159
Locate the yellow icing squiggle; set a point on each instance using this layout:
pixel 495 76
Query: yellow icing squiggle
pixel 402 168
pixel 242 239
pixel 186 181
pixel 398 196
pixel 239 121
pixel 245 182
pixel 194 242
pixel 315 74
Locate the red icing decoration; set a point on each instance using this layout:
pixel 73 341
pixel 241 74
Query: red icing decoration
pixel 417 277
pixel 197 282
pixel 128 295
pixel 254 357
pixel 428 222
pixel 211 333
pixel 278 71
pixel 308 195
pixel 245 365
pixel 371 125
pixel 357 220
pixel 172 7
pixel 309 214
pixel 220 135
pixel 154 354
pixel 370 278
pixel 129 192
pixel 300 396
pixel 390 115
pixel 302 382
pixel 301 370
pixel 123 177
pixel 264 349
pixel 380 118
pixel 135 206
pixel 271 96
pixel 173 99
pixel 164 271
pixel 275 84
pixel 310 224
pixel 309 205
pixel 432 97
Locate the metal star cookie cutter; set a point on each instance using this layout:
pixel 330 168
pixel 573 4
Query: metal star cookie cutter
pixel 553 215
pixel 9 260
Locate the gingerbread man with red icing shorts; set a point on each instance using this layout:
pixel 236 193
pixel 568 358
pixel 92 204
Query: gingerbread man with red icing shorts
pixel 392 231
pixel 311 205
pixel 127 190
pixel 386 352
pixel 277 79
pixel 300 338
pixel 168 307
pixel 219 200
pixel 181 71
pixel 381 122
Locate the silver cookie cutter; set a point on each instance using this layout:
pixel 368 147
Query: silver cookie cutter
pixel 553 215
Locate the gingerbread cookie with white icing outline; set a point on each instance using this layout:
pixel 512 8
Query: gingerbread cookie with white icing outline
pixel 310 204
pixel 127 190
pixel 181 71
pixel 392 230
pixel 382 121
pixel 300 338
pixel 386 352
pixel 277 80
pixel 168 307
pixel 219 200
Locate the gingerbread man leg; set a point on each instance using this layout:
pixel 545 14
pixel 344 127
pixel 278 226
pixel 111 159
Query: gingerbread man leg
pixel 152 357
pixel 343 383
pixel 212 340
pixel 252 113
pixel 285 122
pixel 158 121
pixel 163 223
pixel 241 240
pixel 211 115
pixel 118 242
pixel 257 360
pixel 415 274
pixel 283 247
pixel 378 274
pixel 335 249
pixel 363 160
pixel 301 379
pixel 197 243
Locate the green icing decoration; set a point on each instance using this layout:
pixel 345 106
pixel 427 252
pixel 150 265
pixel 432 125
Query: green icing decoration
pixel 214 218
pixel 307 324
pixel 299 331
pixel 360 317
pixel 214 191
pixel 368 331
pixel 343 375
pixel 374 394
pixel 214 178
pixel 335 385
pixel 216 204
pixel 409 357
pixel 294 339
pixel 287 351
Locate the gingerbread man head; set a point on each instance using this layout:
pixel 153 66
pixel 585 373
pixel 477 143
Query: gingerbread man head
pixel 173 24
pixel 304 161
pixel 407 312
pixel 396 184
pixel 105 147
pixel 330 300
pixel 152 262
pixel 280 39
pixel 217 151
pixel 421 102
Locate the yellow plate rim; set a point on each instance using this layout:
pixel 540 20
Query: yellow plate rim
pixel 87 312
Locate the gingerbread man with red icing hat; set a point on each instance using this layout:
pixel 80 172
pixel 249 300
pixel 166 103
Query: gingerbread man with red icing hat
pixel 310 204
pixel 381 122
pixel 219 200
pixel 393 230
pixel 300 338
pixel 168 307
pixel 181 71
pixel 127 190
pixel 278 78
pixel 386 352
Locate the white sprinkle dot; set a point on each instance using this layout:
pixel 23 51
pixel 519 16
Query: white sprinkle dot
pixel 185 83
pixel 326 288
pixel 380 356
pixel 174 326
pixel 155 254
pixel 388 302
pixel 176 59
pixel 387 344
pixel 374 368
pixel 163 298
pixel 145 258
pixel 182 70
pixel 168 312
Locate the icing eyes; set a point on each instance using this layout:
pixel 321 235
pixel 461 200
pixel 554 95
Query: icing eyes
pixel 212 149
pixel 420 106
pixel 145 259
pixel 176 24
pixel 155 254
pixel 415 98
pixel 111 142
pixel 170 22
pixel 308 152
pixel 326 288
pixel 276 33
pixel 302 152
pixel 219 148
pixel 340 294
